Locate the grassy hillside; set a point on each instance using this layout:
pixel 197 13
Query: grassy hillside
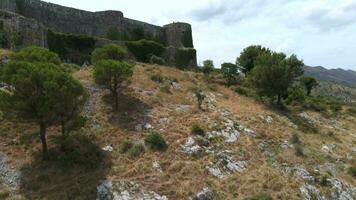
pixel 248 148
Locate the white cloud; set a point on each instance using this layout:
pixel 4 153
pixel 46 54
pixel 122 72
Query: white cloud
pixel 322 32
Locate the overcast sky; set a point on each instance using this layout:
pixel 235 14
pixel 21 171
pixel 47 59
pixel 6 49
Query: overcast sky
pixel 321 32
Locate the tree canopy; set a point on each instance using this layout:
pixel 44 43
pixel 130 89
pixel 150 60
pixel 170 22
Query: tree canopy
pixel 309 83
pixel 248 57
pixel 230 72
pixel 109 52
pixel 274 73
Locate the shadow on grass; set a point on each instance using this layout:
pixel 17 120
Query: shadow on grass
pixel 131 111
pixel 71 173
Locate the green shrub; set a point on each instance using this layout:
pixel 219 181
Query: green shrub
pixel 197 130
pixel 324 181
pixel 136 150
pixel 316 104
pixel 4 194
pixel 351 111
pixel 113 33
pixel 126 146
pixel 165 89
pixel 352 171
pixel 157 60
pixel 81 150
pixel 242 91
pixel 68 67
pixel 200 97
pixel 158 78
pixel 187 39
pixel 109 52
pixel 185 56
pixel 144 49
pixel 299 150
pixel 69 47
pixel 20 6
pixel 303 124
pixel 155 142
pixel 295 139
pixel 296 93
pixel 335 106
pixel 261 196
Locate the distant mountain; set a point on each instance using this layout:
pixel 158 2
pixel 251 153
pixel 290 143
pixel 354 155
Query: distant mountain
pixel 341 76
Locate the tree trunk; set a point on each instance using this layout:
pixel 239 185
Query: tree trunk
pixel 63 125
pixel 115 93
pixel 279 99
pixel 43 130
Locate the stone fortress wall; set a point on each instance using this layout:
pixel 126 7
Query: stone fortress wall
pixel 69 20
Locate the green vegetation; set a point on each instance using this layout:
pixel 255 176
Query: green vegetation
pixel 261 196
pixel 69 47
pixel 136 150
pixel 111 74
pixel 230 72
pixel 126 146
pixel 144 49
pixel 37 81
pixel 184 57
pixel 200 97
pixel 274 73
pixel 113 33
pixel 35 55
pixel 157 60
pixel 20 6
pixel 80 150
pixel 187 39
pixel 197 130
pixel 208 67
pixel 299 150
pixel 155 142
pixel 309 83
pixel 352 171
pixel 248 57
pixel 109 52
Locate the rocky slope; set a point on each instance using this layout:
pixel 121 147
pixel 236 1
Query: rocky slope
pixel 247 149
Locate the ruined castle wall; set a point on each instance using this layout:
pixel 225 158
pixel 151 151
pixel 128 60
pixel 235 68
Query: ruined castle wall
pixel 150 31
pixel 177 35
pixel 9 5
pixel 69 20
pixel 20 31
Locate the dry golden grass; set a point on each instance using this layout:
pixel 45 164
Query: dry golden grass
pixel 183 176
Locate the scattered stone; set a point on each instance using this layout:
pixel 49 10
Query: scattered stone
pixel 267 119
pixel 205 194
pixel 286 145
pixel 226 165
pixel 108 148
pixel 309 118
pixel 156 165
pixel 176 86
pixel 191 147
pixel 124 190
pixel 328 148
pixel 215 171
pixel 342 191
pixel 8 174
pixel 303 173
pixel 310 192
pixel 183 108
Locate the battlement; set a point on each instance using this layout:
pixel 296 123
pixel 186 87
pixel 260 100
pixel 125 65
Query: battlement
pixel 74 21
pixel 100 25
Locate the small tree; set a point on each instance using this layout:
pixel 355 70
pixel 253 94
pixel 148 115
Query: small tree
pixel 200 97
pixel 71 100
pixel 309 83
pixel 40 90
pixel 274 73
pixel 248 57
pixel 208 67
pixel 112 74
pixel 230 72
pixel 109 52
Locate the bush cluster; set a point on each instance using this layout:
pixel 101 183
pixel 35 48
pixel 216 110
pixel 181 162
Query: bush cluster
pixel 69 47
pixel 197 130
pixel 155 142
pixel 185 56
pixel 143 50
pixel 157 60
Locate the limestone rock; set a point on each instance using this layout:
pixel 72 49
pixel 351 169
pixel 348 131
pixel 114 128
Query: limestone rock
pixel 310 192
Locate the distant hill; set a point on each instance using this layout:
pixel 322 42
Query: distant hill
pixel 341 76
